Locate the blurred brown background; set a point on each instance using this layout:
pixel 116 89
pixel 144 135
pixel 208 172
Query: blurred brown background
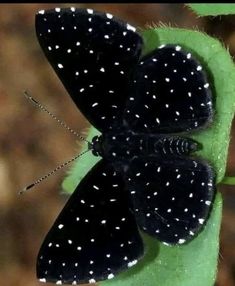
pixel 31 144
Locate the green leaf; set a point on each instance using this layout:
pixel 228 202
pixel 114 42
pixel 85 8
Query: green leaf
pixel 194 263
pixel 212 9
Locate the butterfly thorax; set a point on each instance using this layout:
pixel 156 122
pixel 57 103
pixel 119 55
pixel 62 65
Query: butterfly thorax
pixel 127 145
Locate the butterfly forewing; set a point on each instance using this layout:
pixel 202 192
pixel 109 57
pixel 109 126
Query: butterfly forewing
pixel 95 236
pixel 94 55
pixel 171 93
pixel 172 197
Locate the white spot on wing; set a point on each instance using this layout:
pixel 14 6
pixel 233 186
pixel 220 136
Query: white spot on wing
pixel 89 11
pixel 110 276
pixel 132 263
pixel 109 16
pixel 129 27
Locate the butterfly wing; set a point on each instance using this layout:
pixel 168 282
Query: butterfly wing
pixel 172 198
pixel 95 236
pixel 94 55
pixel 171 93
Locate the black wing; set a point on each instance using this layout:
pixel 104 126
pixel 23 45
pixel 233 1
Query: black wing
pixel 172 198
pixel 171 93
pixel 94 55
pixel 95 236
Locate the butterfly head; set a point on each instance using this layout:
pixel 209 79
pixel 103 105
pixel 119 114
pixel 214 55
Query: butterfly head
pixel 96 146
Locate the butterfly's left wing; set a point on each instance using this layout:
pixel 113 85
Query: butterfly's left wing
pixel 95 236
pixel 94 55
pixel 172 197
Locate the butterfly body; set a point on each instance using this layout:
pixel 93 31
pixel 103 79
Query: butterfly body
pixel 148 178
pixel 125 146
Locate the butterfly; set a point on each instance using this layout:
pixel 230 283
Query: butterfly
pixel 147 179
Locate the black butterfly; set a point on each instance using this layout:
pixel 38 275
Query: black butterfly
pixel 145 178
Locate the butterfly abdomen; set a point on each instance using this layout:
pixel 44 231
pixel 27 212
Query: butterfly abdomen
pixel 126 145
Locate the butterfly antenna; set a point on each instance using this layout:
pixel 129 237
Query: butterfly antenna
pixel 43 108
pixel 52 172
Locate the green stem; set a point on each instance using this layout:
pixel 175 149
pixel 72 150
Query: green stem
pixel 228 181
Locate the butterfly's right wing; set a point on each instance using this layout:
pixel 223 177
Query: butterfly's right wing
pixel 172 196
pixel 95 236
pixel 94 55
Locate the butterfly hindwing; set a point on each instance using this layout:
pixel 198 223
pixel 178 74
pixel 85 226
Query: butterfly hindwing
pixel 94 55
pixel 172 197
pixel 171 93
pixel 95 236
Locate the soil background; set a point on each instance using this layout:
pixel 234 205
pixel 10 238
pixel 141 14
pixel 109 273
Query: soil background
pixel 31 144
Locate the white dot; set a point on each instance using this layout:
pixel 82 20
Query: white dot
pixel 41 12
pixel 78 44
pixel 132 263
pixel 72 9
pixel 201 220
pixel 180 241
pixel 43 280
pixel 189 56
pixel 89 11
pixel 102 69
pixel 70 241
pixel 92 281
pixel 79 248
pixel 59 282
pixel 129 27
pixel 69 51
pixel 95 187
pixel 60 226
pixel 57 9
pixel 110 276
pixel 167 79
pixel 178 48
pixel 60 66
pixel 109 16
pixel 199 68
